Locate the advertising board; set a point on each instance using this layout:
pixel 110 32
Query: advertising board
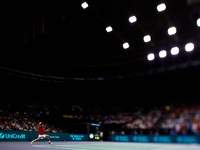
pixel 28 136
pixel 156 139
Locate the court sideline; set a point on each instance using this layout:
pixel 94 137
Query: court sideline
pixel 94 146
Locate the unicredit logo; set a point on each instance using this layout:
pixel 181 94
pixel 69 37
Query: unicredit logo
pixel 12 136
pixel 1 136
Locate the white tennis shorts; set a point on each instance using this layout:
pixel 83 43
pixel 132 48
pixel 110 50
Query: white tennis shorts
pixel 42 136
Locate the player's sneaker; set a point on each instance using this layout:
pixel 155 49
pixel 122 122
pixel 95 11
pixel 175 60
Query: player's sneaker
pixel 31 143
pixel 50 142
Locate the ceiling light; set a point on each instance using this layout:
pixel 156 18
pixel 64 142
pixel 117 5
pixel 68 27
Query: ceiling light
pixel 151 57
pixel 172 31
pixel 109 29
pixel 198 22
pixel 163 54
pixel 147 38
pixel 84 5
pixel 189 47
pixel 132 19
pixel 126 45
pixel 175 51
pixel 161 7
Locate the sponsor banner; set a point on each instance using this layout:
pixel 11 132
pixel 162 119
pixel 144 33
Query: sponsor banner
pixel 78 137
pixel 28 136
pixel 12 136
pixel 156 139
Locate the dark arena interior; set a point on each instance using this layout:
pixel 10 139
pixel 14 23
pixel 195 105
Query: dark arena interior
pixel 100 75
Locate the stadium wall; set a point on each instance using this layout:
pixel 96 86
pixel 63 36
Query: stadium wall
pixel 29 136
pixel 156 139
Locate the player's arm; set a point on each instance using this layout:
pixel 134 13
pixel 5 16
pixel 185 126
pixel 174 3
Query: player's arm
pixel 40 124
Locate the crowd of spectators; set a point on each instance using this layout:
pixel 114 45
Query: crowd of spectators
pixel 170 120
pixel 26 115
pixel 17 121
pixel 139 119
pixel 144 120
pixel 119 118
pixel 183 120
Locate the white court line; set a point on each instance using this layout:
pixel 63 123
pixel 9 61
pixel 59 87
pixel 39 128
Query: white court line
pixel 85 147
pixel 166 148
pixel 71 148
pixel 177 147
pixel 96 147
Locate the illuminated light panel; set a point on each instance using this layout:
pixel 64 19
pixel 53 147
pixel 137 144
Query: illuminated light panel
pixel 84 5
pixel 147 38
pixel 189 47
pixel 109 29
pixel 175 51
pixel 172 31
pixel 198 22
pixel 163 54
pixel 132 19
pixel 161 7
pixel 151 57
pixel 126 45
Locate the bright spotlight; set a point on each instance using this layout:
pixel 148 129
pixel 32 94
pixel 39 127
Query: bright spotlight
pixel 189 47
pixel 198 22
pixel 172 31
pixel 161 7
pixel 125 45
pixel 132 19
pixel 151 57
pixel 147 38
pixel 163 54
pixel 175 51
pixel 84 5
pixel 109 29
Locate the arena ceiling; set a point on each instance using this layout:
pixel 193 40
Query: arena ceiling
pixel 65 40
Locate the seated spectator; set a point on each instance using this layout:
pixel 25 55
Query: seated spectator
pixel 1 126
pixel 172 132
pixel 135 132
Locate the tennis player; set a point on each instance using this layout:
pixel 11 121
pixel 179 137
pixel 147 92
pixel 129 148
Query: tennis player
pixel 41 134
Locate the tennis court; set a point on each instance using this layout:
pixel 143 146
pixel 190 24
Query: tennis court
pixel 94 146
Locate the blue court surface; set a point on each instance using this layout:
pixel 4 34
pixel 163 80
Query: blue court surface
pixel 94 146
